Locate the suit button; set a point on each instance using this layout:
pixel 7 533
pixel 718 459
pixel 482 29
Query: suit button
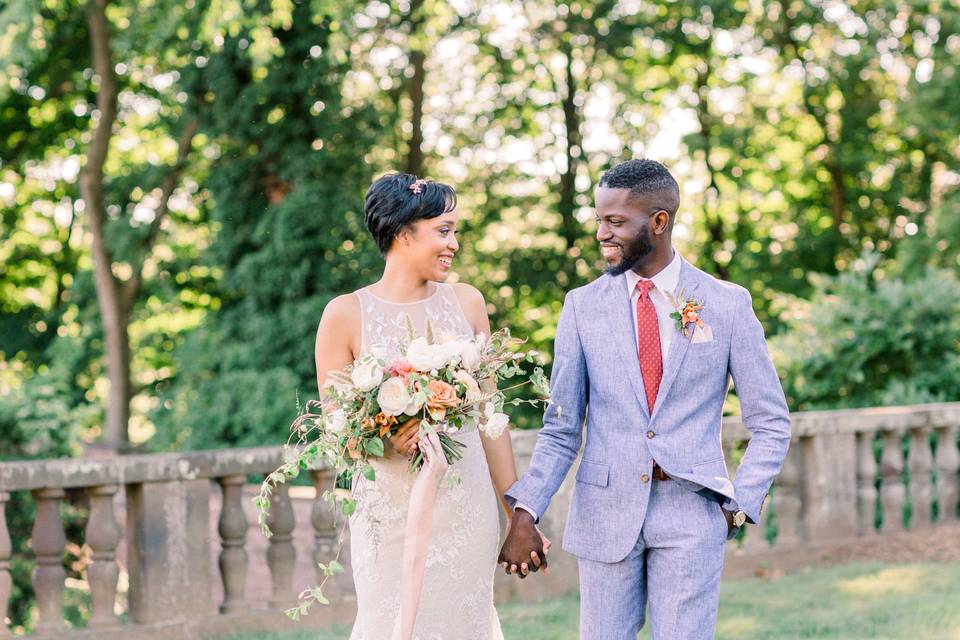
pixel 650 434
pixel 644 478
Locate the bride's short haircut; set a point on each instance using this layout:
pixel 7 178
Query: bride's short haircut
pixel 396 200
pixel 645 177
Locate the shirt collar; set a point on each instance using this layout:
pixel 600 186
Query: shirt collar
pixel 666 280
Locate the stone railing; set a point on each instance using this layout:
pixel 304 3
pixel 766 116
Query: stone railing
pixel 846 471
pixel 167 549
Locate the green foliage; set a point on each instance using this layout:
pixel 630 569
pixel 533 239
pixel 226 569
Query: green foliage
pixel 868 338
pixel 287 190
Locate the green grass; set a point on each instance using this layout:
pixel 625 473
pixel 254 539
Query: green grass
pixel 852 602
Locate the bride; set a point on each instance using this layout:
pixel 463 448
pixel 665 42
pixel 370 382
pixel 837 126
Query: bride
pixel 414 223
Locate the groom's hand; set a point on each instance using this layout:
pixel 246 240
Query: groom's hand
pixel 729 516
pixel 522 551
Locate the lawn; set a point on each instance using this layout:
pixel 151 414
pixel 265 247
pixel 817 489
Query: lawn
pixel 853 602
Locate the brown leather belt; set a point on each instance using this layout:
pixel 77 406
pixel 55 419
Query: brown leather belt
pixel 659 473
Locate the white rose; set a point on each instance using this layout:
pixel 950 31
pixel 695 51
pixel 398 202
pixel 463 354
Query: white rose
pixel 470 356
pixel 452 352
pixel 367 375
pixel 496 425
pixel 415 405
pixel 336 421
pixel 467 380
pixel 425 357
pixel 393 397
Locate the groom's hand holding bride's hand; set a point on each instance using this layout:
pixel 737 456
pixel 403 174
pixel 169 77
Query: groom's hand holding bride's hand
pixel 525 548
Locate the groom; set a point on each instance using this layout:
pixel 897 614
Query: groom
pixel 653 505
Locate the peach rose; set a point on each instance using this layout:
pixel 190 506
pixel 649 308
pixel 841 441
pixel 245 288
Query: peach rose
pixel 442 397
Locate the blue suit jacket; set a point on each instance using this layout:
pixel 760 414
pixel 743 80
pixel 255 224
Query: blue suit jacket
pixel 596 375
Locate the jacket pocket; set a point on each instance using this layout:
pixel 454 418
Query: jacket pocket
pixel 595 473
pixel 714 467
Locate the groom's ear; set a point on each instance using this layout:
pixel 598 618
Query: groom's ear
pixel 661 222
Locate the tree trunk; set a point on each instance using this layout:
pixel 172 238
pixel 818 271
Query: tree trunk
pixel 418 59
pixel 113 314
pixel 116 298
pixel 569 227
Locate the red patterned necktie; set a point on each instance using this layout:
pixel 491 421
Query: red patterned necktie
pixel 648 342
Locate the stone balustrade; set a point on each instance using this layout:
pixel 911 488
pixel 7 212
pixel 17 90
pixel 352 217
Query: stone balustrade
pixel 849 473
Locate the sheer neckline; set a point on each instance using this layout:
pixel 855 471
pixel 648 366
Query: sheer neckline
pixel 436 290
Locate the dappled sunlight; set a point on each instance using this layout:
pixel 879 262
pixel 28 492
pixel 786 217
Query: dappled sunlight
pixel 889 581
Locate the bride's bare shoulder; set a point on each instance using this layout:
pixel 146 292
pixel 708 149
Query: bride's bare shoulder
pixel 341 312
pixel 469 296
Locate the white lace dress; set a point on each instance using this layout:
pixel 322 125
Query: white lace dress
pixel 457 599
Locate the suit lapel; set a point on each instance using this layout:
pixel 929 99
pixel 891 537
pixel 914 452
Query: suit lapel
pixel 687 284
pixel 617 311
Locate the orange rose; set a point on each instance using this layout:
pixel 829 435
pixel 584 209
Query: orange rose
pixel 442 397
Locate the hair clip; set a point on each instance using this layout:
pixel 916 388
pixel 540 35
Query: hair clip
pixel 417 185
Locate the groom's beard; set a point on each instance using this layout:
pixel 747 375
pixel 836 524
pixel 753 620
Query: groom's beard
pixel 638 249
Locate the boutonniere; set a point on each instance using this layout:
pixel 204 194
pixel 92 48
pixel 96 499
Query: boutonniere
pixel 686 312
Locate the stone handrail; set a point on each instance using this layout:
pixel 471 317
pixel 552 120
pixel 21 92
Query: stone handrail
pixel 827 491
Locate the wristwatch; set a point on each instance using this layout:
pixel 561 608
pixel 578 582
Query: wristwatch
pixel 739 519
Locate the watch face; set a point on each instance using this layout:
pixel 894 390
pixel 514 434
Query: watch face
pixel 739 518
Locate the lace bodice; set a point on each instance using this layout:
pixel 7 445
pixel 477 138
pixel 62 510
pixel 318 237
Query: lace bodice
pixel 387 325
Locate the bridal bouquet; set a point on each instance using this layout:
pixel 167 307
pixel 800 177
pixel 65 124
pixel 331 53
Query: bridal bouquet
pixel 448 383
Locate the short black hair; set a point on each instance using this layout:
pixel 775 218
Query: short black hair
pixel 391 204
pixel 645 177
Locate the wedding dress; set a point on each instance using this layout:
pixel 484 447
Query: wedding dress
pixel 457 596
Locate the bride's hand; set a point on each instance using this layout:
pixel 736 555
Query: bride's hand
pixel 404 439
pixel 434 460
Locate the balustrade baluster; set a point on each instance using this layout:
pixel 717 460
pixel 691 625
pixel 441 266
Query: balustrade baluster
pixel 948 466
pixel 6 582
pixel 281 555
pixel 102 534
pixel 866 484
pixel 920 464
pixel 892 491
pixel 324 526
pixel 48 540
pixel 233 535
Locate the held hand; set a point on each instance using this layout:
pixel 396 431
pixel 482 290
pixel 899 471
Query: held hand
pixel 404 439
pixel 523 550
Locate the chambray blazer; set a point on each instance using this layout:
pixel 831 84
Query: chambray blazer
pixel 596 378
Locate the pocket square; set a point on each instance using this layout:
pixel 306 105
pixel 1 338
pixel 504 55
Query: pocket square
pixel 702 334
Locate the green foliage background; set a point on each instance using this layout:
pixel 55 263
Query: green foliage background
pixel 816 145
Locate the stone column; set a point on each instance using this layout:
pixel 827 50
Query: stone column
pixel 281 554
pixel 787 502
pixel 920 463
pixel 168 547
pixel 233 534
pixel 6 582
pixel 828 485
pixel 948 465
pixel 866 484
pixel 892 491
pixel 48 541
pixel 102 535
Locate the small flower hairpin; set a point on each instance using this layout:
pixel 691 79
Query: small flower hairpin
pixel 417 185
